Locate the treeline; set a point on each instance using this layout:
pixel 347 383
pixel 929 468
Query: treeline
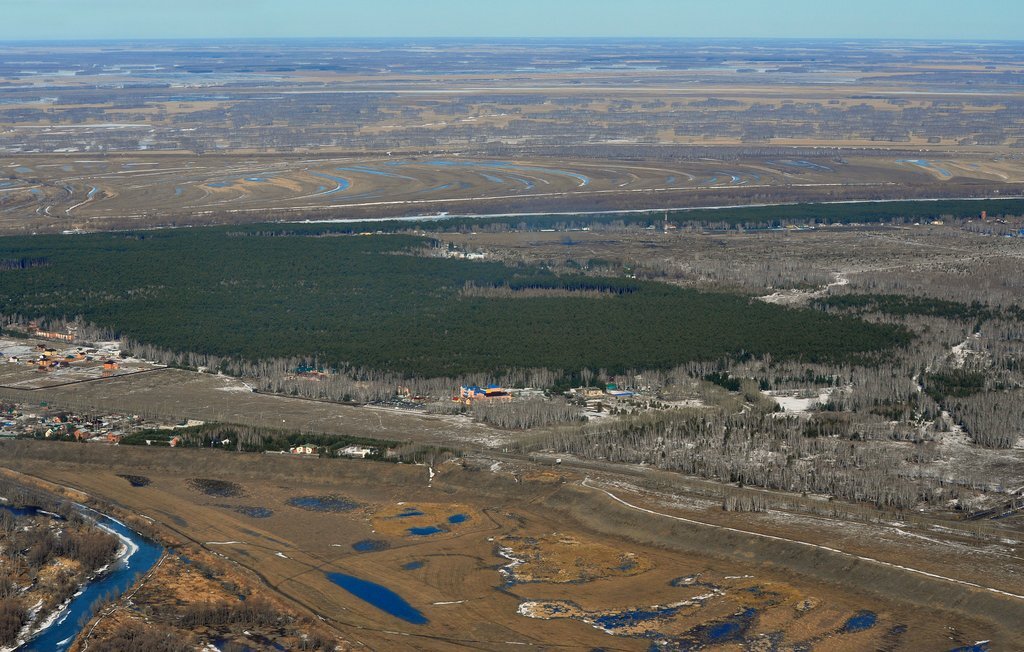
pixel 746 216
pixel 522 415
pixel 994 280
pixel 253 439
pixel 903 305
pixel 134 636
pixel 992 420
pixel 10 264
pixel 759 449
pixel 343 383
pixel 20 495
pixel 254 612
pixel 551 287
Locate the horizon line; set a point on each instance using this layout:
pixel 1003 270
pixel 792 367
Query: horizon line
pixel 818 39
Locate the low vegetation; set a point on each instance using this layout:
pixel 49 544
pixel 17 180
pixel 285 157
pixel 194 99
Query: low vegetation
pixel 135 636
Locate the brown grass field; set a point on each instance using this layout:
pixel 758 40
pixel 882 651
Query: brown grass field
pixel 585 556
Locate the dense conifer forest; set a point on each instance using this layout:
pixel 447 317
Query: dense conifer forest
pixel 375 302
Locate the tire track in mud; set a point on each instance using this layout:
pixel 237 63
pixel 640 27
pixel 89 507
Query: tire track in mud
pixel 773 537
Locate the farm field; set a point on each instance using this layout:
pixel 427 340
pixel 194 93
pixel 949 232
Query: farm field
pixel 500 557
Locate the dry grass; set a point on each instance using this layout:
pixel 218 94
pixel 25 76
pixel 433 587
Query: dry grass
pixel 458 586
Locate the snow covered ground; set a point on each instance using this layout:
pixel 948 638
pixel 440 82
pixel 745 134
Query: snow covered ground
pixel 797 297
pixel 799 401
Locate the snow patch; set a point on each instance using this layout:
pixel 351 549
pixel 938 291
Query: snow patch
pixel 798 402
pixel 796 297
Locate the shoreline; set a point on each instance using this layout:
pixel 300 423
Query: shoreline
pixel 35 627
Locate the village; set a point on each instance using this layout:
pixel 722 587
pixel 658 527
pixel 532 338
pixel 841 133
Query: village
pixel 32 359
pixel 47 423
pixel 35 359
pixel 41 421
pixel 21 420
pixel 618 395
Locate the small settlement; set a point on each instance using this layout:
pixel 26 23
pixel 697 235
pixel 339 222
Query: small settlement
pixel 29 362
pixel 20 420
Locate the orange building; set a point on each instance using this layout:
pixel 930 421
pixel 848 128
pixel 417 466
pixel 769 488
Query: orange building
pixel 470 393
pixel 50 335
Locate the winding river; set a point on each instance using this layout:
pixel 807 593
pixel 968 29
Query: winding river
pixel 136 556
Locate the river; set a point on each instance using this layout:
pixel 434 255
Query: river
pixel 136 556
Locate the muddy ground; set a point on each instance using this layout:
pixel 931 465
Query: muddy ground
pixel 463 578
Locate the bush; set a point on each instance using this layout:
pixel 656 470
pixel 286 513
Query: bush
pixel 251 613
pixel 12 618
pixel 134 636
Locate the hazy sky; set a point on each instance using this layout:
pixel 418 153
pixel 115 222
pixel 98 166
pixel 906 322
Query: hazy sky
pixel 90 19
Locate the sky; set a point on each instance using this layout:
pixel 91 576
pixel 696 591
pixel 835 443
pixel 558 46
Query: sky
pixel 133 19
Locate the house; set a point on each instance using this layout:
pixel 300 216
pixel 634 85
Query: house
pixel 621 393
pixel 110 365
pixel 587 392
pixel 175 441
pixel 470 393
pixel 355 451
pixel 305 449
pixel 55 336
